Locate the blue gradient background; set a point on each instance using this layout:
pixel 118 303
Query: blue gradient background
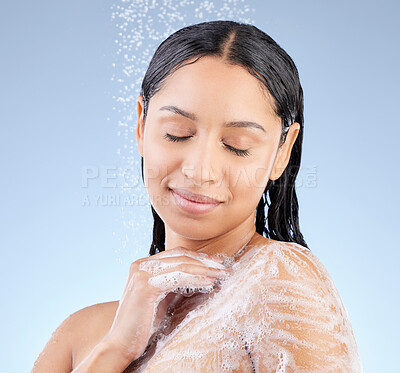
pixel 58 256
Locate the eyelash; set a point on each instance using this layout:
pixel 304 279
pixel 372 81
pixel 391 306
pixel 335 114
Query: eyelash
pixel 241 153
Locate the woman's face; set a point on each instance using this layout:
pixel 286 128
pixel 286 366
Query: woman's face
pixel 211 130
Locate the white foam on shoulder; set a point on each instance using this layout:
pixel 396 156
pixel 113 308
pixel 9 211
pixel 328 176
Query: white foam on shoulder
pixel 279 311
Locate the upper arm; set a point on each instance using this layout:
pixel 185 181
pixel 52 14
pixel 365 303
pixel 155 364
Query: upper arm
pixel 302 324
pixel 75 338
pixel 56 357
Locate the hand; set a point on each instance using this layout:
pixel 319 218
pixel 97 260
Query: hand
pixel 150 280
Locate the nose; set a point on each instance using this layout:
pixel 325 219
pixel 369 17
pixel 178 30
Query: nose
pixel 200 164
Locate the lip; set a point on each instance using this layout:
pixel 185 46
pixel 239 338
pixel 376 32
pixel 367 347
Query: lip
pixel 199 198
pixel 203 205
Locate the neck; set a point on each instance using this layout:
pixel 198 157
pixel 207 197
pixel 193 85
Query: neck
pixel 228 243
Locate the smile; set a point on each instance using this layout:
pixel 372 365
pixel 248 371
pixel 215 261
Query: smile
pixel 194 207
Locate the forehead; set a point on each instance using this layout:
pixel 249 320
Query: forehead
pixel 216 83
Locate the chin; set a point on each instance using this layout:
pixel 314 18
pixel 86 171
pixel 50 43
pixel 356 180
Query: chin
pixel 194 230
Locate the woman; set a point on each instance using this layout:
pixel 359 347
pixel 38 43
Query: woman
pixel 220 127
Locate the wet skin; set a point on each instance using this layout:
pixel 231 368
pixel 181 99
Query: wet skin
pixel 231 164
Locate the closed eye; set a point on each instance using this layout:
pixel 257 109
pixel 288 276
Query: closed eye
pixel 239 152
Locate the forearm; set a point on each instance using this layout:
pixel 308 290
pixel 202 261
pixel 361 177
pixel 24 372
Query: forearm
pixel 104 358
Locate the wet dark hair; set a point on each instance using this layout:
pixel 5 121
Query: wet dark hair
pixel 247 46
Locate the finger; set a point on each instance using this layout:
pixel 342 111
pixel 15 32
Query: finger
pixel 174 280
pixel 208 260
pixel 182 263
pixel 199 270
pixel 179 251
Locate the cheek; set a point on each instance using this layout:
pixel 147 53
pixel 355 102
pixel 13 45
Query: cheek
pixel 262 171
pixel 154 165
pixel 248 190
pixel 159 162
pixel 250 179
pixel 261 177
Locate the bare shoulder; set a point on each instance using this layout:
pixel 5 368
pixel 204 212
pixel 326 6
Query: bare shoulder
pixel 75 337
pixel 90 317
pixel 90 325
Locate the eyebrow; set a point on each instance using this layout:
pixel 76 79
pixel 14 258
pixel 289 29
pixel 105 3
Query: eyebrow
pixel 193 117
